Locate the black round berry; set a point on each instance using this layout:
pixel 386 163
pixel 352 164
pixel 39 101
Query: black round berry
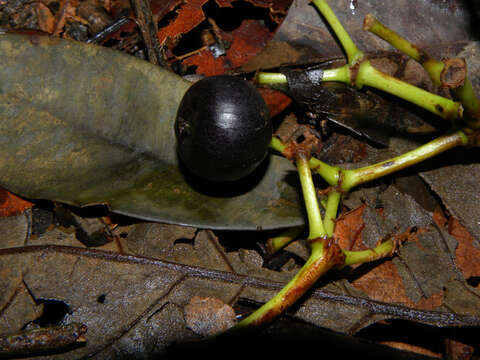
pixel 222 128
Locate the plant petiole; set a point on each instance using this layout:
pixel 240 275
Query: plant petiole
pixel 385 249
pixel 278 242
pixel 315 223
pixel 322 258
pixel 439 105
pixel 353 54
pixel 352 178
pixel 331 209
pixel 433 67
pixel 464 93
pixel 329 173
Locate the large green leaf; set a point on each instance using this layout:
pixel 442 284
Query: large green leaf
pixel 84 125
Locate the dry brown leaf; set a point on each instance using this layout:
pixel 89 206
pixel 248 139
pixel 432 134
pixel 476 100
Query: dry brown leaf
pixel 190 14
pixel 348 229
pixel 11 204
pixel 46 20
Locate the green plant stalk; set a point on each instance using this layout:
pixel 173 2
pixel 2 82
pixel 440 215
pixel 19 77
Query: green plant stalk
pixel 316 265
pixel 278 242
pixel 340 74
pixel 443 107
pixel 331 209
pixel 359 257
pixel 277 145
pixel 368 75
pixel 315 223
pixel 311 271
pixel 329 173
pixel 352 178
pixel 353 53
pixel 271 78
pixel 465 93
pixel 432 66
pixel 324 253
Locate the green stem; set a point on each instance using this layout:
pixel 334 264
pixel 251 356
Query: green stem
pixel 333 200
pixel 277 144
pixel 368 75
pixel 274 80
pixel 443 107
pixel 313 269
pixel 340 74
pixel 465 93
pixel 359 257
pixel 329 173
pixel 271 78
pixel 315 223
pixel 359 176
pixel 433 67
pixel 278 242
pixel 353 54
pixel 317 264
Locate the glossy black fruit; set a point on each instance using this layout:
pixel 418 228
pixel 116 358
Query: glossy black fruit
pixel 223 128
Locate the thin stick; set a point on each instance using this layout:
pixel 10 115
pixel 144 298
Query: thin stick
pixel 148 29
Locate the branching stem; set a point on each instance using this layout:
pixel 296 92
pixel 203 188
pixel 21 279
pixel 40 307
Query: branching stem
pixel 439 105
pixel 325 254
pixel 464 93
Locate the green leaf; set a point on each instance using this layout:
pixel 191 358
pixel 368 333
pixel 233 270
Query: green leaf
pixel 83 125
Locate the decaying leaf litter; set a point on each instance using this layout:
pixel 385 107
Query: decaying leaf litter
pixel 430 292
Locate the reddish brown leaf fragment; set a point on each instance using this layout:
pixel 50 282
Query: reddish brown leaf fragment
pixel 205 63
pixel 46 20
pixel 382 282
pixel 246 42
pixel 276 101
pixel 249 39
pixel 190 14
pixel 467 254
pixel 163 7
pixel 66 11
pixel 348 229
pixel 11 205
